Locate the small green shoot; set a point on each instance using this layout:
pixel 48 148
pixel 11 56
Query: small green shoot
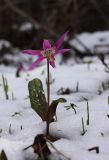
pixel 1 130
pixel 3 155
pixel 5 86
pixel 51 81
pixel 72 106
pixel 83 128
pixel 88 113
pixel 10 129
pixel 13 97
pixel 108 100
pixel 103 85
pixel 77 87
pixel 108 105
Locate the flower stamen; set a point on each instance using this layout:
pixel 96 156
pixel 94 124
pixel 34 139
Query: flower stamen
pixel 49 53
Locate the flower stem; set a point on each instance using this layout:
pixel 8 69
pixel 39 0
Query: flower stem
pixel 48 83
pixel 48 94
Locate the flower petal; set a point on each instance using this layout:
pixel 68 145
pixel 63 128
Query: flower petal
pixel 60 40
pixel 32 52
pixel 46 44
pixel 62 51
pixel 36 63
pixel 52 63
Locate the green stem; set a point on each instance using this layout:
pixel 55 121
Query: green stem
pixel 87 113
pixel 48 94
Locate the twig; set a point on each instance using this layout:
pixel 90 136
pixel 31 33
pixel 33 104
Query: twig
pixel 102 58
pixel 40 147
pixel 58 152
pixel 96 148
pixel 83 45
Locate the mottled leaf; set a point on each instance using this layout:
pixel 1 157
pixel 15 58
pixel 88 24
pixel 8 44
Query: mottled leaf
pixel 37 98
pixel 52 109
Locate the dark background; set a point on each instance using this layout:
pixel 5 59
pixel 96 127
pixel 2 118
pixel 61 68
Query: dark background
pixel 47 19
pixel 50 18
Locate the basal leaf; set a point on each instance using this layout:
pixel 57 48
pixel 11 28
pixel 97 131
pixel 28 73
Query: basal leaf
pixel 52 109
pixel 37 98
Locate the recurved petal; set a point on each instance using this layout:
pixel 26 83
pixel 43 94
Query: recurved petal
pixel 46 44
pixel 36 63
pixel 62 51
pixel 60 40
pixel 52 63
pixel 32 52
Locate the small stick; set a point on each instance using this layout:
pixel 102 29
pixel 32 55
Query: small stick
pixel 96 148
pixel 27 147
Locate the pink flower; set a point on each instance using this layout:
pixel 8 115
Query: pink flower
pixel 48 51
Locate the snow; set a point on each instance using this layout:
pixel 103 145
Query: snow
pixel 69 125
pixel 4 43
pixel 25 27
pixel 95 42
pixel 19 124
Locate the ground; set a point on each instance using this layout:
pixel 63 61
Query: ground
pixel 19 124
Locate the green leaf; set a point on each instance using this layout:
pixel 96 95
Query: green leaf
pixel 72 106
pixel 108 100
pixel 5 86
pixel 3 155
pixel 37 98
pixel 53 107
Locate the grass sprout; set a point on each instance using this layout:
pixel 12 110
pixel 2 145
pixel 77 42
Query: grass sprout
pixel 72 106
pixel 5 86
